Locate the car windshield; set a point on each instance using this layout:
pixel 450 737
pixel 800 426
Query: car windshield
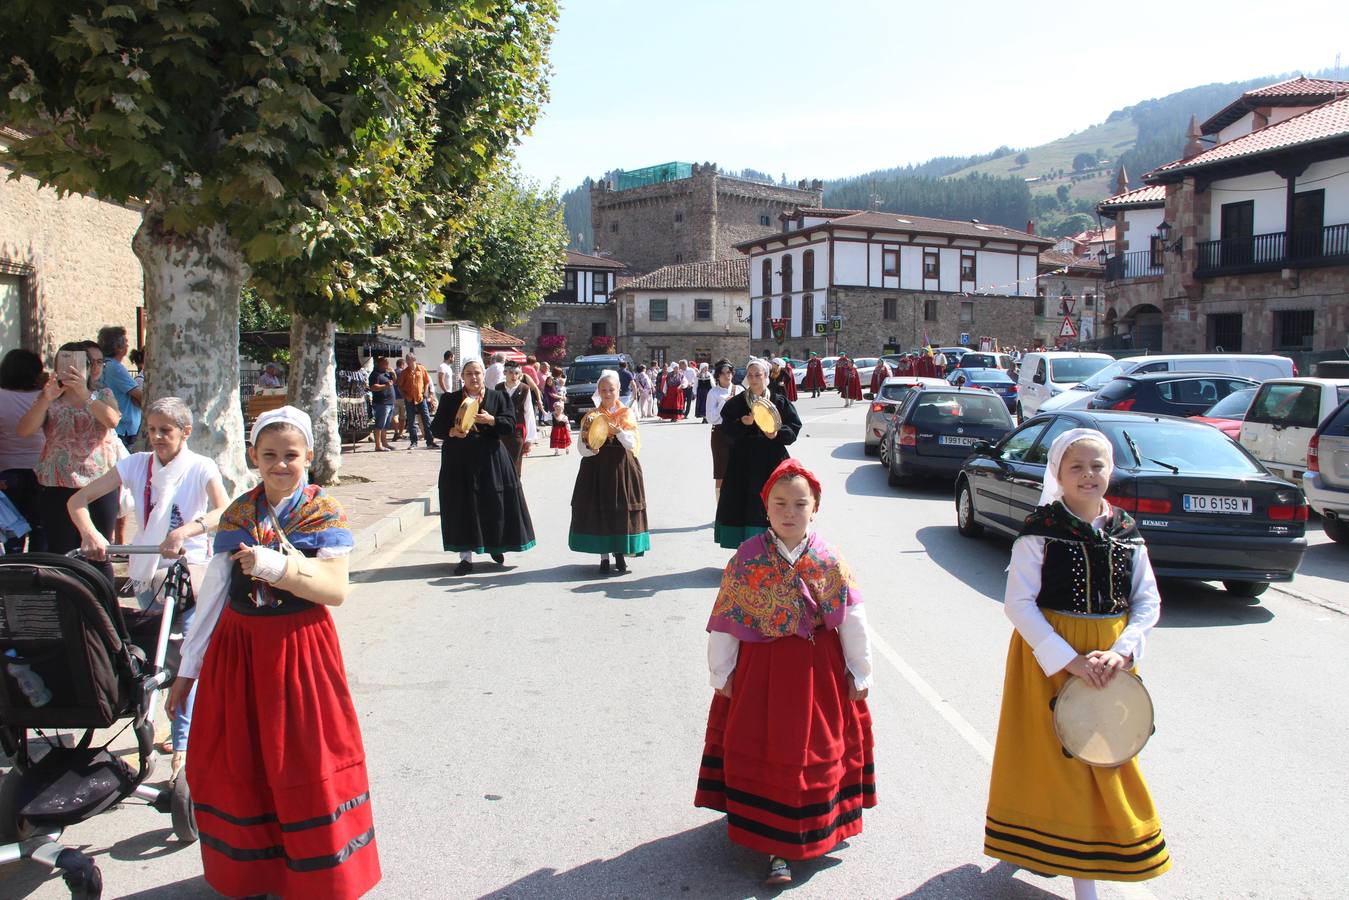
pixel 1076 368
pixel 988 376
pixel 978 361
pixel 1233 406
pixel 1165 446
pixel 865 362
pixel 895 392
pixel 975 408
pixel 828 363
pixel 587 372
pixel 1102 378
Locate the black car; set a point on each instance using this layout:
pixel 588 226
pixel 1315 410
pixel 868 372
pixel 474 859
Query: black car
pixel 1168 393
pixel 1206 508
pixel 936 427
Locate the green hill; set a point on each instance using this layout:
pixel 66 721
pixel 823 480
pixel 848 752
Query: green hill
pixel 1045 162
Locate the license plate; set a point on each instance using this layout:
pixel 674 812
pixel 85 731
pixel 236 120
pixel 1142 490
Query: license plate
pixel 1210 503
pixel 953 441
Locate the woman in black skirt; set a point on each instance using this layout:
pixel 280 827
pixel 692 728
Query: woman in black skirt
pixel 482 505
pixel 753 457
pixel 723 389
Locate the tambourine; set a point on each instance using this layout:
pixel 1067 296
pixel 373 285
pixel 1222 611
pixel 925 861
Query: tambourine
pixel 765 415
pixel 1103 727
pixel 468 409
pixel 595 429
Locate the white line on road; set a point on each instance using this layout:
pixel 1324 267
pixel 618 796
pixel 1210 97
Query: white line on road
pixel 971 734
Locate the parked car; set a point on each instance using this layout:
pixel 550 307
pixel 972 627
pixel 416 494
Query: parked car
pixel 1283 417
pixel 978 360
pixel 1045 374
pixel 1327 477
pixel 953 355
pixel 935 428
pixel 1168 393
pixel 866 365
pixel 995 380
pixel 1205 507
pixel 1227 414
pixel 886 404
pixel 1248 365
pixel 582 375
pixel 827 362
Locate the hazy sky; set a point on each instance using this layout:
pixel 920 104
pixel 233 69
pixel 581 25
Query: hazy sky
pixel 841 87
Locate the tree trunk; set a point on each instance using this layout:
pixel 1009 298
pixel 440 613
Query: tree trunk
pixel 192 285
pixel 313 387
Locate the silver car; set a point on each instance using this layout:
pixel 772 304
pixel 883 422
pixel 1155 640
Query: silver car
pixel 1326 481
pixel 884 406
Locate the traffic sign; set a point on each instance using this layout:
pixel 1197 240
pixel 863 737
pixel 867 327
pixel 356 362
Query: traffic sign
pixel 1068 329
pixel 964 338
pixel 837 322
pixel 820 328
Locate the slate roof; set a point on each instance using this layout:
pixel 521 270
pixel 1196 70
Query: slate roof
pixel 1148 195
pixel 1298 91
pixel 721 274
pixel 816 211
pixel 491 337
pixel 1327 122
pixel 579 260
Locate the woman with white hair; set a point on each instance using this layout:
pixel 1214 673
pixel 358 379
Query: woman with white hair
pixel 608 503
pixel 753 456
pixel 482 505
pixel 178 497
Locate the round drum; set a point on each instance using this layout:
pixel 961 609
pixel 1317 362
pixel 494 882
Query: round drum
pixel 1106 726
pixel 468 409
pixel 595 429
pixel 766 416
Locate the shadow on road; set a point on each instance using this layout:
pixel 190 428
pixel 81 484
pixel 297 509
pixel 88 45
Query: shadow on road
pixel 684 530
pixel 628 587
pixel 1325 561
pixel 969 881
pixel 1194 604
pixel 709 868
pixel 23 878
pixel 850 450
pixel 980 563
pixel 187 889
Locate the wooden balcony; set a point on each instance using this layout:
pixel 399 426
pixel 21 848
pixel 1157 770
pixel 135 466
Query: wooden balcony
pixel 1327 246
pixel 566 296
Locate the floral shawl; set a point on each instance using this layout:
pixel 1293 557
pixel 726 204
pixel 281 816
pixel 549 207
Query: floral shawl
pixel 763 597
pixel 310 518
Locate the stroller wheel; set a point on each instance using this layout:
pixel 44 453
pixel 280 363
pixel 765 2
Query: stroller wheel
pixel 13 828
pixel 182 813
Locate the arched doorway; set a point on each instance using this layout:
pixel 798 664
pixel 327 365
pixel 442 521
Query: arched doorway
pixel 1144 324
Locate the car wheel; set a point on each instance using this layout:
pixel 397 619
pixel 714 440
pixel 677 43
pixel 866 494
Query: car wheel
pixel 883 451
pixel 895 478
pixel 1336 529
pixel 965 523
pixel 1246 588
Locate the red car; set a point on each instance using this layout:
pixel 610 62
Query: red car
pixel 1228 413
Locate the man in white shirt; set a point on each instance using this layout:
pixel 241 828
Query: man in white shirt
pixel 445 375
pixel 496 372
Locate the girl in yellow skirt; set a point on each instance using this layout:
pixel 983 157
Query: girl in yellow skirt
pixel 1081 593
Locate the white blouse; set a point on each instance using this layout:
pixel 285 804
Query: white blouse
pixel 1052 652
pixel 716 399
pixel 723 650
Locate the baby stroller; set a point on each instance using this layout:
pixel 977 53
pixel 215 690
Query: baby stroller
pixel 70 662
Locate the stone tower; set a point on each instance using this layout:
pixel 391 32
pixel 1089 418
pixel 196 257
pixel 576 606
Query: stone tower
pixel 681 213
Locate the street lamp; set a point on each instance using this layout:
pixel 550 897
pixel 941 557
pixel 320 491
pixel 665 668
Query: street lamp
pixel 740 315
pixel 1164 233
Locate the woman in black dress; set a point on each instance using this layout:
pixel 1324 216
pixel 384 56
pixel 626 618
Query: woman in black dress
pixel 754 455
pixel 482 506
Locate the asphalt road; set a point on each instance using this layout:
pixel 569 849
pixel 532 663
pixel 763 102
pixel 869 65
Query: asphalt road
pixel 535 731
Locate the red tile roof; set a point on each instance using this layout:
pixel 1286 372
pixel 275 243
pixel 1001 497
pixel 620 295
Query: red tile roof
pixel 1148 195
pixel 492 338
pixel 1298 91
pixel 721 274
pixel 1327 122
pixel 1057 259
pixel 579 260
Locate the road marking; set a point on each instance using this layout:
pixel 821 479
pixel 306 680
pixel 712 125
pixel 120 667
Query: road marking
pixel 971 734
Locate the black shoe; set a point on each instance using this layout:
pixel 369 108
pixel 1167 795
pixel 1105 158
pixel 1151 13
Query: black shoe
pixel 499 559
pixel 465 567
pixel 432 446
pixel 620 564
pixel 604 566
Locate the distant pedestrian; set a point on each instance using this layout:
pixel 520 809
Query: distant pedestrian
pixel 878 376
pixel 624 383
pixel 496 372
pixel 847 381
pixel 814 380
pixel 114 346
pixel 270 379
pixel 415 385
pixel 381 390
pixel 788 747
pixel 689 378
pixel 672 401
pixel 445 377
pixel 723 389
pixel 560 437
pixel 526 431
pixel 608 503
pixel 643 393
pixel 704 386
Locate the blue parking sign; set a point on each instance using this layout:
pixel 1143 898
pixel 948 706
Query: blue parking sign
pixel 964 338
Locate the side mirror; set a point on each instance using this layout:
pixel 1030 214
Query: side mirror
pixel 981 448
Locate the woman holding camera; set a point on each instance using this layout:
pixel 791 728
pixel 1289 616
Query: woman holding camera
pixel 77 418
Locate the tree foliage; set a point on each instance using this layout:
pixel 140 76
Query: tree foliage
pixel 1002 201
pixel 1083 161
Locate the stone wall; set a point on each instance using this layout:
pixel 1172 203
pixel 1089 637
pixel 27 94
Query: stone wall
pixel 574 320
pixel 72 260
pixel 866 331
pixel 692 219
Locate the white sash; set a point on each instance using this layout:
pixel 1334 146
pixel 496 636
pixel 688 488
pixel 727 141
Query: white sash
pixel 168 479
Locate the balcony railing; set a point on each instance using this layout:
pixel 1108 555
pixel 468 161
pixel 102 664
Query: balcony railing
pixel 1263 252
pixel 572 297
pixel 1139 264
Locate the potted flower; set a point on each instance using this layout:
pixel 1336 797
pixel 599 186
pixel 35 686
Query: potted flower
pixel 553 347
pixel 602 343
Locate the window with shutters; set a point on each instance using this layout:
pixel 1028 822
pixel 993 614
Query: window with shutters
pixel 766 283
pixel 931 264
pixel 890 262
pixel 786 273
pixel 890 309
pixel 766 319
pixel 659 309
pixel 808 270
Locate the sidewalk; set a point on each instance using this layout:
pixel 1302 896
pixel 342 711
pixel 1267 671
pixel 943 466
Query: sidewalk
pixel 385 494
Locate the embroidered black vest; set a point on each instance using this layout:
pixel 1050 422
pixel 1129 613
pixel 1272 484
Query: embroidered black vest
pixel 276 602
pixel 518 399
pixel 1086 571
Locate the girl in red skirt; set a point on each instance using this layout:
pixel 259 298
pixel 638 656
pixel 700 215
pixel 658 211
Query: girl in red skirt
pixel 788 750
pixel 560 439
pixel 275 761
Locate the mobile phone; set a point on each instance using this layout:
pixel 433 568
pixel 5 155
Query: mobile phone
pixel 77 359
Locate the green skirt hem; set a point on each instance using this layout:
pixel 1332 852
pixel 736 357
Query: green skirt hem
pixel 626 544
pixel 732 536
pixel 466 549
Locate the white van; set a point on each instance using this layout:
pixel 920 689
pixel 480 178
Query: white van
pixel 1261 368
pixel 1050 373
pixel 1283 417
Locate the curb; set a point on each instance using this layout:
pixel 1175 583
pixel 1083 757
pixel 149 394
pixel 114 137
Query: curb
pixel 390 528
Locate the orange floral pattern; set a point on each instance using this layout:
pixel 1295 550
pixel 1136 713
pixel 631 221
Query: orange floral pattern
pixel 763 597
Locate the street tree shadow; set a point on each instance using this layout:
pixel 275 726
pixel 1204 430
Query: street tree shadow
pixel 626 587
pixel 969 880
pixel 707 867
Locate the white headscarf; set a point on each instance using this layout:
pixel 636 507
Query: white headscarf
pixel 760 362
pixel 1052 489
pixel 606 373
pixel 291 416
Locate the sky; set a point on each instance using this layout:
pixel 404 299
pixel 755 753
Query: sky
pixel 832 88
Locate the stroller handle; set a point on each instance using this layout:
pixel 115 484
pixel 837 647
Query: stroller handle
pixel 124 550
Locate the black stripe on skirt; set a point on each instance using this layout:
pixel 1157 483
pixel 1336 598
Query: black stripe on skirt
pixel 306 864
